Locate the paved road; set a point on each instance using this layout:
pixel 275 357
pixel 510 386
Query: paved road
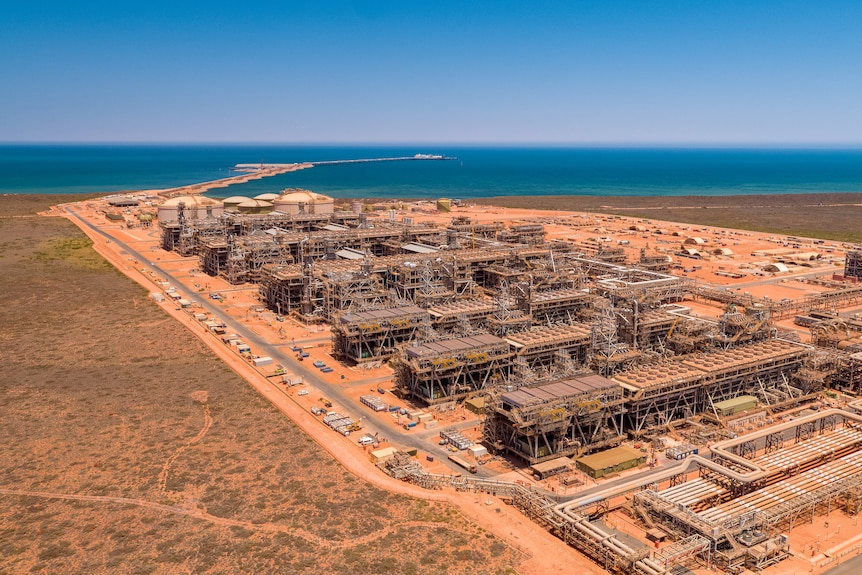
pixel 850 567
pixel 416 440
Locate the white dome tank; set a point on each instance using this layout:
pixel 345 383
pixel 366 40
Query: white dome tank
pixel 231 203
pixel 194 208
pixel 293 201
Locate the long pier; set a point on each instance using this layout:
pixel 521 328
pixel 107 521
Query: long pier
pixel 417 157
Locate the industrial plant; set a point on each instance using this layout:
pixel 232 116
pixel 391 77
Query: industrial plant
pixel 574 351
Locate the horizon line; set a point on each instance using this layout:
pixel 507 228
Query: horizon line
pixel 470 144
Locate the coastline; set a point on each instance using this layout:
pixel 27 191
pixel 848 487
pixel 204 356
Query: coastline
pixel 828 215
pixel 249 174
pixel 831 215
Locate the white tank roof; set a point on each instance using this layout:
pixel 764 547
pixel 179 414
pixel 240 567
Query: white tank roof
pixel 248 203
pixel 192 201
pixel 266 197
pixel 235 199
pixel 296 196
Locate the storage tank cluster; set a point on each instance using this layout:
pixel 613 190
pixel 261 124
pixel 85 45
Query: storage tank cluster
pixel 290 201
pixel 194 208
pixel 294 201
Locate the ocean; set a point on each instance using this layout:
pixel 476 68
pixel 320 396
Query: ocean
pixel 477 171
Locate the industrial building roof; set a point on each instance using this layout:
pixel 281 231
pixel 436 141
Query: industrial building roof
pixel 545 334
pixel 658 373
pixel 459 307
pixel 735 402
pixel 581 385
pixel 552 465
pixel 697 365
pixel 777 267
pixel 350 254
pixel 558 294
pixel 610 457
pixel 122 202
pixel 454 345
pixel 382 314
pixel 419 248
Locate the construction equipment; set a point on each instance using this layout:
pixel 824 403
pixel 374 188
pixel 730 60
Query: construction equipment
pixel 670 331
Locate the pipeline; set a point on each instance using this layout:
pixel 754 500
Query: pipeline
pixel 756 472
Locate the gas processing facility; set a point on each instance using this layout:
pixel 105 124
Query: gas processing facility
pixel 571 349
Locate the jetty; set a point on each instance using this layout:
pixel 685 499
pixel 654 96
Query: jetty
pixel 419 157
pixel 249 173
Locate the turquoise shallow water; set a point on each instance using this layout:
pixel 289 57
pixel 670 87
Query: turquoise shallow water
pixel 478 171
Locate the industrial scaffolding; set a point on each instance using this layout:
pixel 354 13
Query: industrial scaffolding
pixel 557 419
pixel 540 346
pixel 353 291
pixel 452 369
pixel 248 254
pixel 375 335
pixel 565 305
pixel 681 387
pixel 446 316
pixel 759 486
pixel 853 264
pixel 282 287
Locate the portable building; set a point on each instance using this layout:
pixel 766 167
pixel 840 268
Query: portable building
pixel 383 454
pixel 478 450
pixel 735 405
pixel 476 405
pixel 610 461
pixel 553 467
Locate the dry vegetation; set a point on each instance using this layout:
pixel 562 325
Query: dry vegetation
pixel 829 216
pixel 126 447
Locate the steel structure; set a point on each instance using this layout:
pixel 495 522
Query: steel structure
pixel 555 419
pixel 681 387
pixel 540 346
pixel 364 336
pixel 451 369
pixel 853 264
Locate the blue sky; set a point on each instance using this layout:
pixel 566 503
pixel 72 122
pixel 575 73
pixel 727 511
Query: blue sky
pixel 582 72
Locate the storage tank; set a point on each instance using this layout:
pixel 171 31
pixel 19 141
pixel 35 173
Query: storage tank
pixel 194 208
pixel 254 207
pixel 356 206
pixel 269 197
pixel 231 203
pixel 293 201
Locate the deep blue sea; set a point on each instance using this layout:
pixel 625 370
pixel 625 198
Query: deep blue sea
pixel 477 172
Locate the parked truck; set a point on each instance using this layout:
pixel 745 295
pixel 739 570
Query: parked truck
pixel 471 467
